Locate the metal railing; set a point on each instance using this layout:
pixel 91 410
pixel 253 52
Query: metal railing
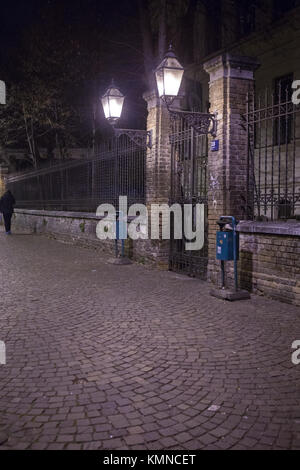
pixel 272 122
pixel 82 185
pixel 189 153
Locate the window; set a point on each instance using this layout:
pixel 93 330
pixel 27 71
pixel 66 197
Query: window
pixel 213 25
pixel 282 95
pixel 193 95
pixel 246 17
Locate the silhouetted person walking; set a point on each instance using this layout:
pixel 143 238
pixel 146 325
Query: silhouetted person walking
pixel 7 203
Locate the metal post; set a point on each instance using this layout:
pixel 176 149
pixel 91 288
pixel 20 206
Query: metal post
pixel 235 254
pixel 223 273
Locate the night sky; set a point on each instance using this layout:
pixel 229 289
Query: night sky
pixel 111 28
pixel 19 16
pixel 16 16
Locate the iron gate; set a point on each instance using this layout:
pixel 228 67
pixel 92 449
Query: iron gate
pixel 189 153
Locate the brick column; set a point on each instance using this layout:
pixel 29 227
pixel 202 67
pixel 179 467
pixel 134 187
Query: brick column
pixel 231 78
pixel 158 172
pixel 158 164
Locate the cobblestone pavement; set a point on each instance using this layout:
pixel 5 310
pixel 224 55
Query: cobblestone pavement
pixel 126 357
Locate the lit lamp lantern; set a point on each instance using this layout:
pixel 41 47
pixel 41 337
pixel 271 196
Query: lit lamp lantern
pixel 112 102
pixel 169 75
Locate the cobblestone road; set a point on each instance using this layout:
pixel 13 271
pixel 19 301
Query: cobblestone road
pixel 108 357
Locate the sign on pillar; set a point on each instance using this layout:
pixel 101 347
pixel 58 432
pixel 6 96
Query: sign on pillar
pixel 2 92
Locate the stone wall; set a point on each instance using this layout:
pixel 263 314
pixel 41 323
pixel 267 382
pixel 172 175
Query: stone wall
pixel 72 227
pixel 79 228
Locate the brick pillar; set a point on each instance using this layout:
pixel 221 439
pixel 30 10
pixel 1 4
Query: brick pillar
pixel 159 156
pixel 231 78
pixel 158 172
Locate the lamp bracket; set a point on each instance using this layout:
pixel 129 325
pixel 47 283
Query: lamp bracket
pixel 202 123
pixel 141 138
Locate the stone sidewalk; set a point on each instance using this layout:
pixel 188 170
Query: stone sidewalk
pixel 126 357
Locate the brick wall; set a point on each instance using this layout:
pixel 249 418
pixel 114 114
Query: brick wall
pixel 270 265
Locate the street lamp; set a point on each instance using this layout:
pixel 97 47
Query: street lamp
pixel 112 102
pixel 168 76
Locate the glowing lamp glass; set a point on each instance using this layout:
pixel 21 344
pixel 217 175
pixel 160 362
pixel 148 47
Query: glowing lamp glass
pixel 169 75
pixel 112 102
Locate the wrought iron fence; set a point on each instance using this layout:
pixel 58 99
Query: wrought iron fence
pixel 272 122
pixel 81 185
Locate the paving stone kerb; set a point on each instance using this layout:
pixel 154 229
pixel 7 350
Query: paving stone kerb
pixel 106 357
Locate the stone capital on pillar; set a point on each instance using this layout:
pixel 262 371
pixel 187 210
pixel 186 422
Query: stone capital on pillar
pixel 231 66
pixel 151 99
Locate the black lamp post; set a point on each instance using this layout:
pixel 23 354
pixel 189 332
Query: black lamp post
pixel 169 76
pixel 112 102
